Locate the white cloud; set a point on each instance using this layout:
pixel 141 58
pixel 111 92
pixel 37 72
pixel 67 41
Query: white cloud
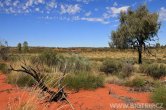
pixel 115 4
pixel 91 19
pixel 39 1
pixel 88 13
pixel 52 4
pixel 29 3
pixel 162 14
pixel 70 9
pixel 113 11
pixel 84 1
pixel 15 3
pixel 37 9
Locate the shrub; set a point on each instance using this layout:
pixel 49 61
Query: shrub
pixel 127 69
pixel 143 67
pixel 135 81
pixel 48 57
pixel 20 79
pixel 159 95
pixel 83 81
pixel 3 68
pixel 110 66
pixel 155 70
pixel 73 63
pixel 76 63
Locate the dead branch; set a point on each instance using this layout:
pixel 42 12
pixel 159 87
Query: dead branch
pixel 54 96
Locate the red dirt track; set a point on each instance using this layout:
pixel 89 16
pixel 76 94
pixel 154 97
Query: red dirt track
pixel 99 99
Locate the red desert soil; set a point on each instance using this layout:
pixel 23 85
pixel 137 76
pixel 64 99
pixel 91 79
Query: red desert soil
pixel 99 99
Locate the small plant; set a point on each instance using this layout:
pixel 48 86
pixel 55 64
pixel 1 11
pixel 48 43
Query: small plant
pixel 3 68
pixel 76 63
pixel 159 95
pixel 114 80
pixel 73 63
pixel 127 69
pixel 84 81
pixel 136 81
pixel 111 66
pixel 48 57
pixel 155 70
pixel 20 79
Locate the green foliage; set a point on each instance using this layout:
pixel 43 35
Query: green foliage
pixel 25 46
pixel 155 70
pixel 3 68
pixel 159 95
pixel 4 51
pixel 20 79
pixel 136 27
pixel 76 63
pixel 49 58
pixel 19 47
pixel 136 82
pixel 84 81
pixel 73 63
pixel 111 66
pixel 158 45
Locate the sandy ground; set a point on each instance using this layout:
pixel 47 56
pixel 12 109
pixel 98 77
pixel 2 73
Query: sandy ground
pixel 99 99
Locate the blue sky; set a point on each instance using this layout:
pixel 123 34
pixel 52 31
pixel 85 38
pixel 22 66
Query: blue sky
pixel 68 23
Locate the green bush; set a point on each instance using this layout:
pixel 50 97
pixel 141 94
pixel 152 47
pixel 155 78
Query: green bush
pixel 159 95
pixel 136 82
pixel 48 57
pixel 83 81
pixel 20 79
pixel 155 70
pixel 75 63
pixel 111 66
pixel 3 68
pixel 72 63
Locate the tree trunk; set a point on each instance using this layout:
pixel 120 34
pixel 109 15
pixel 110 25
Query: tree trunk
pixel 140 54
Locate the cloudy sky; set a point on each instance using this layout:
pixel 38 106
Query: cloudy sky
pixel 68 23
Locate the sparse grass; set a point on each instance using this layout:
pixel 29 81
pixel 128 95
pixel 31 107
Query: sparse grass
pixel 155 70
pixel 3 68
pixel 83 81
pixel 127 70
pixel 113 79
pixel 159 95
pixel 20 79
pixel 73 63
pixel 135 81
pixel 111 66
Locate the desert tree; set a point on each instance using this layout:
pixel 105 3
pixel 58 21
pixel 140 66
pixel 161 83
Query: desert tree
pixel 158 45
pixel 4 50
pixel 25 46
pixel 137 28
pixel 19 47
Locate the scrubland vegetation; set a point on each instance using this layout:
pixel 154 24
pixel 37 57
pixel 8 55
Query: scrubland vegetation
pixel 87 72
pixel 78 69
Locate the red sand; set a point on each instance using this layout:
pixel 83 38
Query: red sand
pixel 98 99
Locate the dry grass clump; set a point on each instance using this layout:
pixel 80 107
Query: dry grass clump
pixel 25 101
pixel 159 95
pixel 113 79
pixel 154 70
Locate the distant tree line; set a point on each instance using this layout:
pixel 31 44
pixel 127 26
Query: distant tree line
pixel 23 47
